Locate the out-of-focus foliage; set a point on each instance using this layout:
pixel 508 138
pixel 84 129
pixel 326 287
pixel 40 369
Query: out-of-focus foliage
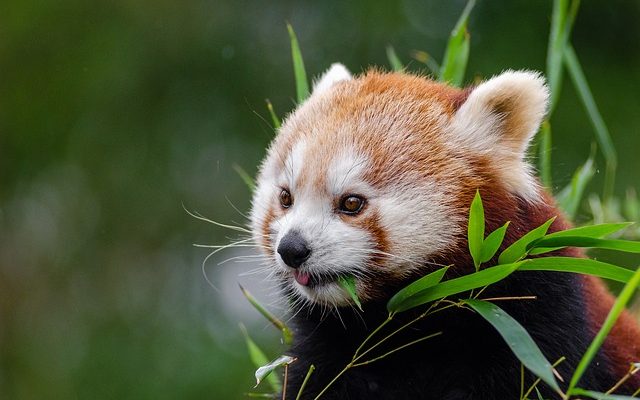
pixel 115 113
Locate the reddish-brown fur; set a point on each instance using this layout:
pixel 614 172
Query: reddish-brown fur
pixel 360 114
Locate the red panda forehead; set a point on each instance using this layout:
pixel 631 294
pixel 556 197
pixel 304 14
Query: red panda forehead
pixel 393 123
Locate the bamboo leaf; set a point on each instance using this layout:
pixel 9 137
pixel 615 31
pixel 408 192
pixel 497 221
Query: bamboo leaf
pixel 266 369
pixel 570 197
pixel 581 241
pixel 455 286
pixel 258 358
pixel 562 20
pixel 348 283
pixel 544 155
pixel 577 265
pixel 518 249
pixel 394 60
pixel 456 55
pixel 302 85
pixel 601 396
pixel 287 336
pixel 602 132
pixel 274 118
pixel 475 229
pixel 619 305
pixel 518 340
pixel 426 59
pixel 246 178
pixel 423 283
pixel 492 243
pixel 594 231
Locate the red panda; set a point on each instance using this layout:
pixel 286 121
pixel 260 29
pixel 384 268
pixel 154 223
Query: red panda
pixel 372 177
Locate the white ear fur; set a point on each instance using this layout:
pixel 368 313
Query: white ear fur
pixel 336 73
pixel 499 118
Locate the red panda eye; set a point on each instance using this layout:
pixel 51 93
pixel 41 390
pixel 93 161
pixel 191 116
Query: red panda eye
pixel 351 204
pixel 285 198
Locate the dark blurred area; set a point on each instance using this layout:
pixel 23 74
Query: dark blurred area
pixel 115 114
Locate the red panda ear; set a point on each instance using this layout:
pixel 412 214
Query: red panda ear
pixel 336 73
pixel 506 110
pixel 500 117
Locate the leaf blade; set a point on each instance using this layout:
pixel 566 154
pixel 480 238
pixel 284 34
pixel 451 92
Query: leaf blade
pixel 258 358
pixel 457 285
pixel 456 55
pixel 577 265
pixel 475 229
pixel 492 243
pixel 517 338
pixel 518 249
pixel 348 283
pixel 628 246
pixel 268 368
pixel 300 73
pixel 394 60
pixel 423 283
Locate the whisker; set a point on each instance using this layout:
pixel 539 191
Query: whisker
pixel 202 218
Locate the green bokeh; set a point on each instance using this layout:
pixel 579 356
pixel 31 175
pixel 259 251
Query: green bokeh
pixel 115 113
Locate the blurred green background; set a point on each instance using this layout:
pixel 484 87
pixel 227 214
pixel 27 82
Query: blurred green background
pixel 115 113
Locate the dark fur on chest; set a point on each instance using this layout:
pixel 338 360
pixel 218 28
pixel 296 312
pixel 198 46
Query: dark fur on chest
pixel 468 361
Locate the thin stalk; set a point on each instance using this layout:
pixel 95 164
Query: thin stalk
pixel 632 371
pixel 382 325
pixel 397 349
pixel 306 379
pixel 537 381
pixel 403 327
pixel 335 378
pixel 284 384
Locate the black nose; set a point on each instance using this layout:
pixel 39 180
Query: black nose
pixel 293 249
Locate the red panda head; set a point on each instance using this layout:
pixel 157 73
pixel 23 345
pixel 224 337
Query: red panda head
pixel 372 176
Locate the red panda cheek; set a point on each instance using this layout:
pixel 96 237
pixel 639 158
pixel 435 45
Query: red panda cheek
pixel 266 228
pixel 378 235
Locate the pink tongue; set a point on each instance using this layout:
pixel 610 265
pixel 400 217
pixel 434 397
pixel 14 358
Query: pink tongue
pixel 301 277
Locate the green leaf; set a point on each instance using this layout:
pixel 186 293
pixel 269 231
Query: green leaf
pixel 594 231
pixel 455 286
pixel 246 178
pixel 582 241
pixel 266 369
pixel 456 55
pixel 475 229
pixel 492 243
pixel 302 85
pixel 518 340
pixel 601 396
pixel 570 197
pixel 609 322
pixel 423 283
pixel 287 336
pixel 602 132
pixel 561 24
pixel 544 154
pixel 274 118
pixel 271 396
pixel 348 283
pixel 426 59
pixel 258 358
pixel 518 249
pixel 577 265
pixel 394 60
